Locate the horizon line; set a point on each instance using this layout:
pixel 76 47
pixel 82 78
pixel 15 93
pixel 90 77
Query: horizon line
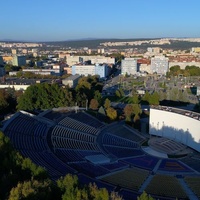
pixel 82 39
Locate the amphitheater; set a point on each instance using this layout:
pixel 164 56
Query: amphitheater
pixel 113 155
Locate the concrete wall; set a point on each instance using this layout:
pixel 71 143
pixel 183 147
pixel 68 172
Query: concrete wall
pixel 175 126
pixel 184 64
pixel 16 87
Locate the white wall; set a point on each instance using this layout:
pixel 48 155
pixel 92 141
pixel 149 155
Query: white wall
pixel 184 64
pixel 175 126
pixel 16 87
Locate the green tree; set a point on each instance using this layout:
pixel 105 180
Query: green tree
pixel 98 97
pixel 119 93
pixel 85 90
pixel 175 70
pixel 154 99
pixel 44 96
pixel 146 98
pixel 31 190
pixel 3 100
pixel 162 95
pixel 98 194
pixel 37 172
pixel 134 99
pixel 70 188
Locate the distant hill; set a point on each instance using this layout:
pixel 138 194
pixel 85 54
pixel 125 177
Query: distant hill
pixel 95 43
pixel 90 43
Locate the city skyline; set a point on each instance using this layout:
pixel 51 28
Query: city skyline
pixel 72 20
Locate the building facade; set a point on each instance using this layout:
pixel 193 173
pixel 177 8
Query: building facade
pixel 183 64
pixel 19 60
pixel 159 64
pixel 101 70
pixel 129 66
pixel 73 60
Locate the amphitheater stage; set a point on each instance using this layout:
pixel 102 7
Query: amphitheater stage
pixel 153 152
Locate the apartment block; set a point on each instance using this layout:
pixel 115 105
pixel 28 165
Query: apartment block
pixel 159 64
pixel 129 66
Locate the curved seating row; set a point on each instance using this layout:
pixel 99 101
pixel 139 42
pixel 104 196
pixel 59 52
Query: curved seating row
pixel 87 119
pixel 74 124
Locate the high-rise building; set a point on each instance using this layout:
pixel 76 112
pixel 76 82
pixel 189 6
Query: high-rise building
pixel 129 66
pixel 159 64
pixel 19 60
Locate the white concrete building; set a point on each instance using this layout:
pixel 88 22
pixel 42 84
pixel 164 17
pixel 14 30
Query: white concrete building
pixel 159 64
pixel 44 71
pixel 129 66
pixel 176 124
pixel 73 60
pixel 100 70
pixel 106 60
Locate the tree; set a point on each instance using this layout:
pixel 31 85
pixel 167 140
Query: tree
pixel 98 194
pixel 154 99
pixel 162 95
pixel 31 190
pixel 94 104
pixel 37 172
pixel 97 96
pixel 146 97
pixel 145 196
pixel 115 196
pixel 119 93
pixel 3 100
pixel 128 112
pixel 134 99
pixel 87 89
pixel 71 189
pixel 174 70
pixel 44 96
pixel 81 99
pixel 111 113
pixel 107 103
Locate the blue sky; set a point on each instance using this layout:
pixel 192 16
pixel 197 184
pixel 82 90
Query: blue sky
pixel 50 20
